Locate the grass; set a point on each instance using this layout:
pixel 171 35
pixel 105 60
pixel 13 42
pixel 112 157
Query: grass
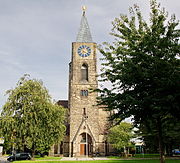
pixel 146 155
pixel 137 159
pixel 103 161
pixel 47 158
pixel 137 156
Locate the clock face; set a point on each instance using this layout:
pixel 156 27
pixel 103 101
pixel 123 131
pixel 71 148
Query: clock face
pixel 84 51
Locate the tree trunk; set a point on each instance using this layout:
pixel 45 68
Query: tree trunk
pixel 33 151
pixel 125 152
pixel 23 144
pixel 161 147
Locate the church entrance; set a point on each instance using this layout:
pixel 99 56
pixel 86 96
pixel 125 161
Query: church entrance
pixel 86 146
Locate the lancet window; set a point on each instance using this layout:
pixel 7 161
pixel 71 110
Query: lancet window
pixel 84 72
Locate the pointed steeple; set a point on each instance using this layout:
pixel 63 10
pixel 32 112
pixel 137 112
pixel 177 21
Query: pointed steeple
pixel 84 34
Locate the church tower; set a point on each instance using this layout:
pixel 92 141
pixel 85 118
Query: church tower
pixel 83 112
pixel 86 125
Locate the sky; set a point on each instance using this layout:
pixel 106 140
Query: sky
pixel 36 37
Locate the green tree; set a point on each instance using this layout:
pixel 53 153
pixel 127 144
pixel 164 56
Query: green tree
pixel 120 136
pixel 29 118
pixel 171 132
pixel 142 66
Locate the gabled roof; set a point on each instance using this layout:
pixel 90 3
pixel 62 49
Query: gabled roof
pixel 63 103
pixel 85 123
pixel 84 34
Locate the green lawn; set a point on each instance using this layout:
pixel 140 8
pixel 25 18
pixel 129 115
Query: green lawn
pixel 146 155
pixel 47 158
pixel 104 161
pixel 137 156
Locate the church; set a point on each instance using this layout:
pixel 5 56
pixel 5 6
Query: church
pixel 86 133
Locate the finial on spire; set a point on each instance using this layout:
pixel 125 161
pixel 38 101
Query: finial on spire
pixel 84 8
pixel 84 34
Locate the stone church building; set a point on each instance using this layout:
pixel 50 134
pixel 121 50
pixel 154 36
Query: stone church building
pixel 86 133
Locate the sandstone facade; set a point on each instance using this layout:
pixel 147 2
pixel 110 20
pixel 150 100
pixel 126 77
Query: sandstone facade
pixel 87 123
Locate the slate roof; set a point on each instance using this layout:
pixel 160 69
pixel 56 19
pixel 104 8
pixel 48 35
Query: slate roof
pixel 63 103
pixel 84 34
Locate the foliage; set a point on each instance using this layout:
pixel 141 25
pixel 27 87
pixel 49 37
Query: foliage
pixel 171 128
pixel 120 135
pixel 29 118
pixel 143 68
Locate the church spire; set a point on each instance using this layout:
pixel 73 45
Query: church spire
pixel 84 34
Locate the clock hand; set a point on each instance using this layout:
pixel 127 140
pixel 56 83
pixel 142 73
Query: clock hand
pixel 84 51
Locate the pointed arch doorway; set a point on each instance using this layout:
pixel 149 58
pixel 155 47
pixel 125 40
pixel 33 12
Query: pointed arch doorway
pixel 86 145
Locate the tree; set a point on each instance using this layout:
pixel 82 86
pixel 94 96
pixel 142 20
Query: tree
pixel 120 136
pixel 148 133
pixel 29 118
pixel 142 66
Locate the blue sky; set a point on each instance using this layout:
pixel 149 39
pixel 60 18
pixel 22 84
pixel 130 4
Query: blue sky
pixel 36 37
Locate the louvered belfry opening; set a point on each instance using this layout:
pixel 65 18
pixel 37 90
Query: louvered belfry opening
pixel 84 72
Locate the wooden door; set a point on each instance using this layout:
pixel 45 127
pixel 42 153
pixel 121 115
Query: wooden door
pixel 82 149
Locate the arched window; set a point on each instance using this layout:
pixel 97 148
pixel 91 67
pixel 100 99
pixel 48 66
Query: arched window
pixel 84 72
